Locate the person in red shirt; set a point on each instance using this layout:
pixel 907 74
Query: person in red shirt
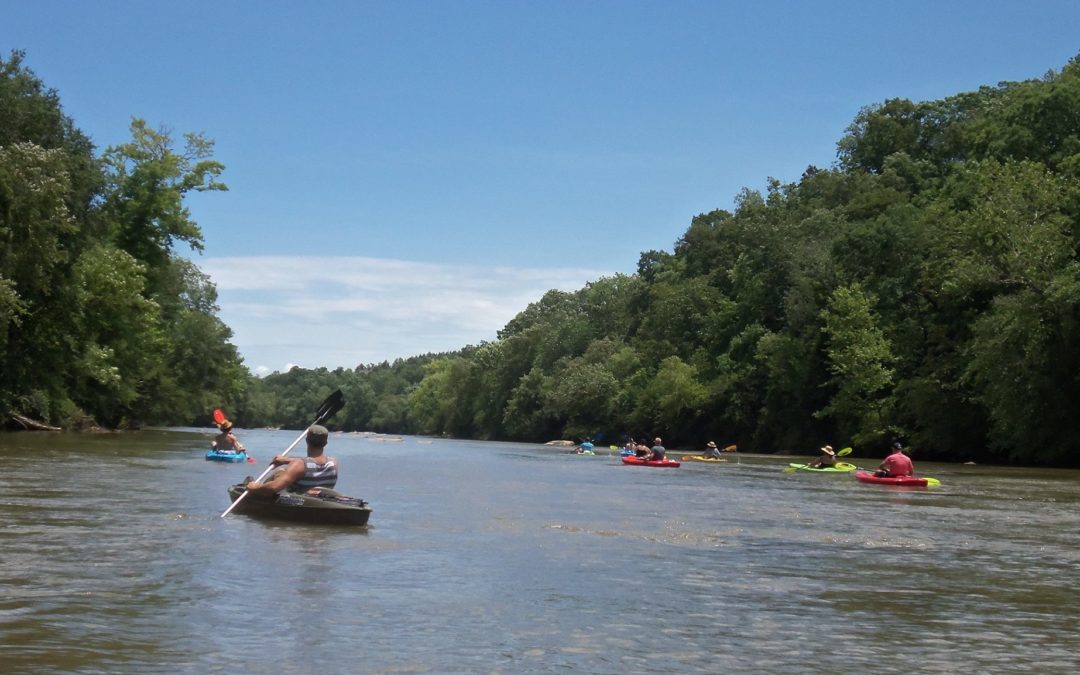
pixel 896 464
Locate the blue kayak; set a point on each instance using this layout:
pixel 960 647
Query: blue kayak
pixel 226 456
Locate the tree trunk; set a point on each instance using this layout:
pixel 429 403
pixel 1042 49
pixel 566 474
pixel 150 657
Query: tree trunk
pixel 33 425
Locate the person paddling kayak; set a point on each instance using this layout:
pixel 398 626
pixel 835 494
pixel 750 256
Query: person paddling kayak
pixel 711 451
pixel 317 470
pixel 896 464
pixel 826 459
pixel 657 450
pixel 226 441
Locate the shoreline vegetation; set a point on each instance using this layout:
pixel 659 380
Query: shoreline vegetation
pixel 924 288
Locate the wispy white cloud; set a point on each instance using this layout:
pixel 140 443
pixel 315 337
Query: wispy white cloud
pixel 346 311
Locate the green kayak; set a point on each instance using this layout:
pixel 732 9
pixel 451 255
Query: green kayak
pixel 319 505
pixel 841 467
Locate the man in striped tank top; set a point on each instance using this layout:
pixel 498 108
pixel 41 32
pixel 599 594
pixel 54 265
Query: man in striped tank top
pixel 317 470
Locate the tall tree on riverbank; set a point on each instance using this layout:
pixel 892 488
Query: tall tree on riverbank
pixel 100 320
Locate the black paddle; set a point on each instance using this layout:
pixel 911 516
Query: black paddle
pixel 331 405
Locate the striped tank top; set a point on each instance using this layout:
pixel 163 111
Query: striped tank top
pixel 316 475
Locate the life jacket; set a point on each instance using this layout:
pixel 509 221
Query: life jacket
pixel 316 475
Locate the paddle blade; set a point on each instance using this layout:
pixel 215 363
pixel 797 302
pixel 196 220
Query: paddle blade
pixel 330 406
pixel 932 481
pixel 843 453
pixel 731 448
pixel 219 416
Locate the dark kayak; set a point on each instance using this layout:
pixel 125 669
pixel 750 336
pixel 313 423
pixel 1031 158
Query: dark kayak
pixel 327 507
pixel 652 462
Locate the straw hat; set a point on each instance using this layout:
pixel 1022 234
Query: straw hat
pixel 711 444
pixel 828 450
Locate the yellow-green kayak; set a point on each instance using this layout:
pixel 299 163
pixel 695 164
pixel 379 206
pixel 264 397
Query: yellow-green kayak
pixel 841 467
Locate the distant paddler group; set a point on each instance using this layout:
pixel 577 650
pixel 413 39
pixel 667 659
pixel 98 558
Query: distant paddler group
pixel 656 452
pixel 896 469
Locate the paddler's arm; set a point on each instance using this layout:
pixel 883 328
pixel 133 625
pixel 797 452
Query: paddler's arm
pixel 282 480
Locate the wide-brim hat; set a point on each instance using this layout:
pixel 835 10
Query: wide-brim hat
pixel 711 444
pixel 828 450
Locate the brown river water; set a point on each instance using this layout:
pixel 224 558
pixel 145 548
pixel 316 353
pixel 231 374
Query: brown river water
pixel 509 558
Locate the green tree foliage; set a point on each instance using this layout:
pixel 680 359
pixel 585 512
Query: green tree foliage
pixel 144 199
pixel 865 301
pixel 31 113
pixel 199 367
pixel 436 404
pixel 926 287
pixel 858 356
pixel 1010 248
pixel 583 393
pixel 99 319
pixel 36 250
pixel 672 400
pixel 120 329
pixel 526 413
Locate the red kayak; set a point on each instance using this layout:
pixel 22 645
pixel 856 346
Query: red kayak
pixel 651 462
pixel 904 481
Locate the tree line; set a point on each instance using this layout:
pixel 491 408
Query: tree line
pixel 925 288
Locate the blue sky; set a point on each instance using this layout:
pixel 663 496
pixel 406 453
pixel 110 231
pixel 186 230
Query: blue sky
pixel 406 176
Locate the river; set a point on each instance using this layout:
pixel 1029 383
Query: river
pixel 509 558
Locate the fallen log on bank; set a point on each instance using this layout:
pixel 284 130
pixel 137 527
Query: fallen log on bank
pixel 32 425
